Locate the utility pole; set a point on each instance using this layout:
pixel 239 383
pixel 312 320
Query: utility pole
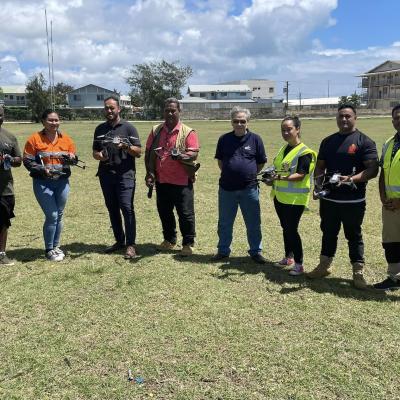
pixel 286 90
pixel 328 88
pixel 300 99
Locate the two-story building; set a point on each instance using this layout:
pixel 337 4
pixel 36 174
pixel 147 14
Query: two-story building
pixel 14 96
pixel 260 88
pixel 89 96
pixel 220 92
pixel 381 85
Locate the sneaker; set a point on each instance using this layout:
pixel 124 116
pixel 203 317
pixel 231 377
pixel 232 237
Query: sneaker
pixel 285 262
pixel 4 260
pixel 387 284
pixel 259 259
pixel 165 246
pixel 52 255
pixel 298 269
pixel 186 251
pixel 59 251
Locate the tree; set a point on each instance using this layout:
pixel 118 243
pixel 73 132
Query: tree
pixel 152 83
pixel 37 95
pixel 60 93
pixel 354 100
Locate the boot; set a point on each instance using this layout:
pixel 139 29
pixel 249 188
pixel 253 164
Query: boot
pixel 322 269
pixel 358 277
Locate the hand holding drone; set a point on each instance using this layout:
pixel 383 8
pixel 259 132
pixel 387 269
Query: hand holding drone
pixel 324 183
pixel 270 174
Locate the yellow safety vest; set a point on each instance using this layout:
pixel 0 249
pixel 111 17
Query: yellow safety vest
pixel 391 170
pixel 286 192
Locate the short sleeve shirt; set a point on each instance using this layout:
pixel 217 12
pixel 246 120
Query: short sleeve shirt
pixel 169 170
pixel 239 156
pixel 119 161
pixel 8 145
pixel 345 154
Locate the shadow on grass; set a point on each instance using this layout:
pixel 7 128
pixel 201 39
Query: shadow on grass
pixel 339 287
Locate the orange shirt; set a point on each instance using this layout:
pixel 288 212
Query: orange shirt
pixel 38 145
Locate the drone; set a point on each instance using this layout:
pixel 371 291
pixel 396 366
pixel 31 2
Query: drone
pixel 330 181
pixel 174 153
pixel 65 160
pixel 114 141
pixel 5 160
pixel 268 174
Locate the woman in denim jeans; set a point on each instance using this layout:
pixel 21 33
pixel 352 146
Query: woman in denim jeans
pixel 48 155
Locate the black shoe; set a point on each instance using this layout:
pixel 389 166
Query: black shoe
pixel 115 247
pixel 259 259
pixel 387 284
pixel 218 257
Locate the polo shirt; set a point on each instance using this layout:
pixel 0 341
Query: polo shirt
pixel 39 150
pixel 119 161
pixel 8 145
pixel 169 170
pixel 345 154
pixel 239 156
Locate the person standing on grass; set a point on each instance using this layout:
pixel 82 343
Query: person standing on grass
pixel 389 190
pixel 240 155
pixel 116 174
pixel 10 156
pixel 294 164
pixel 45 156
pixel 171 152
pixel 352 154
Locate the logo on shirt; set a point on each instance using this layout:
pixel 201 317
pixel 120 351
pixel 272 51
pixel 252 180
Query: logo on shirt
pixel 352 149
pixel 247 147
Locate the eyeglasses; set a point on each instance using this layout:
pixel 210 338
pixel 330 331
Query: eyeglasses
pixel 239 121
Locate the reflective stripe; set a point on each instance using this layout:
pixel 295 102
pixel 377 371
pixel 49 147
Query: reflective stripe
pixel 392 188
pixel 296 157
pixel 52 153
pixel 291 189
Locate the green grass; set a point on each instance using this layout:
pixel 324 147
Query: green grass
pixel 190 328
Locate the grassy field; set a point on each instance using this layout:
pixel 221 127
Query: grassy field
pixel 191 329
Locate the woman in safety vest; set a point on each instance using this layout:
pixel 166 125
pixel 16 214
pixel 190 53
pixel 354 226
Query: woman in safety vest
pixel 294 165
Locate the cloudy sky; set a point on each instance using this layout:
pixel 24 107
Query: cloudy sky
pixel 314 44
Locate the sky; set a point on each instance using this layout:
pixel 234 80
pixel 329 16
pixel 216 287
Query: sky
pixel 318 46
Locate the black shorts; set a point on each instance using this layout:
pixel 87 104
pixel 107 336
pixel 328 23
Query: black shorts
pixel 7 204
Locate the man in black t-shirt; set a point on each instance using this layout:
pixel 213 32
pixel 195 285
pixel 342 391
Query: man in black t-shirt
pixel 116 144
pixel 10 156
pixel 353 156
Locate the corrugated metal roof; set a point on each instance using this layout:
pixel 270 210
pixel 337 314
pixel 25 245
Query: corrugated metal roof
pixel 218 88
pixel 14 89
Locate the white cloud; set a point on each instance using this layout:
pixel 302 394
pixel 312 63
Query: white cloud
pixel 97 41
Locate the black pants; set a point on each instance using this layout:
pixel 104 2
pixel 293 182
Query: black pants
pixel 182 198
pixel 351 215
pixel 118 195
pixel 392 252
pixel 289 217
pixel 7 204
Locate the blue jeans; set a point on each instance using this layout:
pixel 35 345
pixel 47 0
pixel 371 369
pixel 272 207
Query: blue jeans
pixel 52 196
pixel 228 203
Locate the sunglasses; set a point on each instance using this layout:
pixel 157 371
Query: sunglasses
pixel 239 121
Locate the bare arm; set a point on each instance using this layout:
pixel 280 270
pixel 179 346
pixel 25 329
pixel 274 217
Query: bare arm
pixel 220 165
pixel 16 161
pixel 371 171
pixel 260 167
pixel 382 191
pixel 99 156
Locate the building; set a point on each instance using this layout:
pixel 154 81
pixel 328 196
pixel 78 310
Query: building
pixel 260 88
pixel 320 103
pixel 89 96
pixel 220 92
pixel 14 96
pixel 381 85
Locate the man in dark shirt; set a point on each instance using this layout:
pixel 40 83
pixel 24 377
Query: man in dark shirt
pixel 353 156
pixel 10 156
pixel 116 144
pixel 241 155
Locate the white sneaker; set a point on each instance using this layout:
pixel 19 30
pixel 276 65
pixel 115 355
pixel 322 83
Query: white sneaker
pixel 59 251
pixel 298 269
pixel 52 255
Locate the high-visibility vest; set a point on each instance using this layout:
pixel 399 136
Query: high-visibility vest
pixel 298 192
pixel 391 170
